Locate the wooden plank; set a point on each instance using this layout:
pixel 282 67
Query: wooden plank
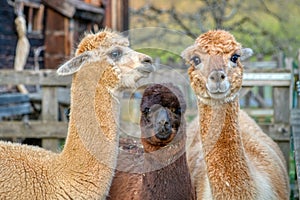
pixel 67 50
pixel 49 104
pixel 281 105
pixel 295 117
pixel 79 5
pixel 63 96
pixel 125 24
pixel 263 79
pixel 261 64
pixel 68 8
pixel 34 129
pixel 50 113
pixel 278 132
pixel 108 14
pixel 30 19
pixel 259 111
pixel 54 22
pixel 295 123
pixel 64 7
pixel 30 77
pixel 13 110
pixel 13 98
pixel 94 2
pixel 50 78
pixel 31 4
pixel 49 144
pixel 296 139
pixel 39 19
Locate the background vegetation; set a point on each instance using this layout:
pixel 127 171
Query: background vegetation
pixel 269 27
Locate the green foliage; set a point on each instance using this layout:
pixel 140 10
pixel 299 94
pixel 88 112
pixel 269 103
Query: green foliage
pixel 268 27
pixel 165 56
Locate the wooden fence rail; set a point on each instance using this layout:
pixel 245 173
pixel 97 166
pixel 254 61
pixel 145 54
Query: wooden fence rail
pixel 48 128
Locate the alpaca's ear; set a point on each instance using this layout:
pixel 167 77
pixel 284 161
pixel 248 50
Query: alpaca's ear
pixel 246 53
pixel 73 65
pixel 187 53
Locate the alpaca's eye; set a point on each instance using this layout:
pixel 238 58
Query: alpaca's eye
pixel 176 110
pixel 116 54
pixel 196 60
pixel 146 111
pixel 234 58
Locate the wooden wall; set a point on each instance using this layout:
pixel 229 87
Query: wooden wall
pixel 66 25
pixel 59 35
pixel 8 38
pixel 117 16
pixel 57 39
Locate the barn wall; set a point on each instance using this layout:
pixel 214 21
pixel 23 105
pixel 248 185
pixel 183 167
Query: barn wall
pixel 8 35
pixel 56 39
pixel 8 39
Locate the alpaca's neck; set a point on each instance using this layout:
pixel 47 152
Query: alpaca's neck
pixel 157 157
pixel 226 163
pixel 167 175
pixel 172 181
pixel 93 126
pixel 92 142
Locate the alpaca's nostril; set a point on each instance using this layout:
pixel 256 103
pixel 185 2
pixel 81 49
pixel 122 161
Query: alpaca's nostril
pixel 163 122
pixel 217 76
pixel 163 127
pixel 147 60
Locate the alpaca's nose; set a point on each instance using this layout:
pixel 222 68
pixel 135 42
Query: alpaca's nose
pixel 163 128
pixel 217 76
pixel 146 60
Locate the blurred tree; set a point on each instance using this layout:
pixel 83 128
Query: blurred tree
pixel 267 26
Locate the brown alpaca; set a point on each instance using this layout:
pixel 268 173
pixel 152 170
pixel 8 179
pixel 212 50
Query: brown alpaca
pixel 166 174
pixel 230 157
pixel 84 169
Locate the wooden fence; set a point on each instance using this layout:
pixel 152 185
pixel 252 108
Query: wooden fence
pixel 50 130
pixel 47 128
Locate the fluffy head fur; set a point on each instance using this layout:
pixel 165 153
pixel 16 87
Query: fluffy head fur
pixel 216 71
pixel 217 42
pixel 103 39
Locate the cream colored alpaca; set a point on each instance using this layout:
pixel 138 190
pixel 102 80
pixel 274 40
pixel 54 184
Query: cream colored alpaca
pixel 228 154
pixel 103 64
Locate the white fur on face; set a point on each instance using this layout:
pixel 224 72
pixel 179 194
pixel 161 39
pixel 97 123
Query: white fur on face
pixel 126 61
pixel 132 67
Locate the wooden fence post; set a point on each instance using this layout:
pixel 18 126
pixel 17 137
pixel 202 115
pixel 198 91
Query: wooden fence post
pixel 49 114
pixel 281 118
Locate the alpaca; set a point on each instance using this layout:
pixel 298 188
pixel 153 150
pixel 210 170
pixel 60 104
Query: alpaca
pixel 103 65
pixel 165 172
pixel 229 155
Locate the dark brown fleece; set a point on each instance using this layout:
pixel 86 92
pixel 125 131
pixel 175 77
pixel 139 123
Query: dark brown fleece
pixel 161 171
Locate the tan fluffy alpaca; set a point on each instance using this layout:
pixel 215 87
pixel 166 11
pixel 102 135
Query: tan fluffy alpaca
pixel 228 154
pixel 84 169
